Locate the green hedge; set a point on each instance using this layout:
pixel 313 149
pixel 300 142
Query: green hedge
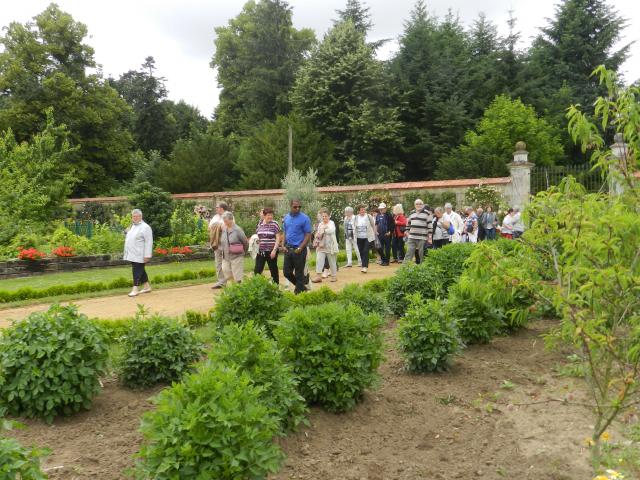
pixel 29 293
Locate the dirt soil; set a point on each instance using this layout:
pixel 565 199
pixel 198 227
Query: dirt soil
pixel 468 423
pixel 175 301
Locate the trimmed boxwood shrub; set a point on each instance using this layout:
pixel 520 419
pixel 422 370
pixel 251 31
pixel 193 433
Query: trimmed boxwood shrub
pixel 476 321
pixel 157 350
pixel 335 351
pixel 427 338
pixel 256 299
pixel 50 363
pixel 449 260
pixel 250 349
pixel 368 301
pixel 212 425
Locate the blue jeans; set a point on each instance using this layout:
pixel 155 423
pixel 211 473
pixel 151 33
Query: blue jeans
pixel 385 248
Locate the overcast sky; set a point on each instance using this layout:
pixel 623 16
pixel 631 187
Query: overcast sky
pixel 179 34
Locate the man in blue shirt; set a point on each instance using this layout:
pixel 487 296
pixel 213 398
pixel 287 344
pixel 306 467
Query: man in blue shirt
pixel 297 233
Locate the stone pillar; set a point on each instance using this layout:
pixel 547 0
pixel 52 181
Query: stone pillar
pixel 520 169
pixel 620 151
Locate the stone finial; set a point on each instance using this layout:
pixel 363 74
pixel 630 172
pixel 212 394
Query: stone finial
pixel 521 155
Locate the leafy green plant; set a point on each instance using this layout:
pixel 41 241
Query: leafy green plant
pixel 427 338
pixel 191 318
pixel 477 322
pixel 256 298
pixel 113 330
pixel 335 351
pixel 157 350
pixel 106 240
pixel 156 206
pixel 51 363
pixel 62 236
pixel 250 349
pixel 213 424
pixel 16 461
pixel 365 299
pixel 313 297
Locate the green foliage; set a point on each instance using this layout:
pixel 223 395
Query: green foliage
pixel 156 206
pixel 335 351
pixel 485 195
pixel 51 363
pixel 263 153
pixel 476 321
pixel 341 90
pixel 106 240
pixel 440 269
pixel 319 296
pixel 197 319
pixel 256 58
pixel 28 293
pixel 157 350
pixel 255 299
pixel 427 338
pixel 487 151
pixel 503 276
pixel 17 462
pixel 203 162
pixel 187 228
pixel 113 330
pixel 362 297
pixel 45 64
pixel 303 187
pixel 429 198
pixel 250 349
pixel 62 236
pixel 213 424
pixel 35 180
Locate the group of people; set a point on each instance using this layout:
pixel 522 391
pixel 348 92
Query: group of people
pixel 396 238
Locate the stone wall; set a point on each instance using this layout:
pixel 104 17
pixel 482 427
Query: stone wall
pixel 26 268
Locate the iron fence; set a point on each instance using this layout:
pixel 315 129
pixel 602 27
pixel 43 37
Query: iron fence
pixel 544 177
pixel 82 228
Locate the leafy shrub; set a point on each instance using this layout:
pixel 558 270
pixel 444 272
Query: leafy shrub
pixel 106 240
pixel 113 330
pixel 51 363
pixel 28 293
pixel 212 425
pixel 379 285
pixel 17 462
pixel 157 350
pixel 256 298
pixel 248 347
pixel 449 261
pixel 410 279
pixel 156 206
pixel 358 295
pixel 476 321
pixel 335 351
pixel 197 319
pixel 427 338
pixel 63 237
pixel 313 297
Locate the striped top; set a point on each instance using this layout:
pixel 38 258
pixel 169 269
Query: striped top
pixel 267 234
pixel 418 225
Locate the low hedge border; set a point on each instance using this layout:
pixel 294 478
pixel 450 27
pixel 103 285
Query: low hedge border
pixel 29 293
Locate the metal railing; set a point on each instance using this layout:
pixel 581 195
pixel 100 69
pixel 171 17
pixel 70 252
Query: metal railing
pixel 544 177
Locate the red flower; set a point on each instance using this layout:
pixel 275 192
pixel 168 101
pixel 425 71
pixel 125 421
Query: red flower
pixel 181 250
pixel 30 254
pixel 161 251
pixel 64 252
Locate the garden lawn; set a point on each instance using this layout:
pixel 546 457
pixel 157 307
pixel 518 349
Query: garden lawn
pixel 105 275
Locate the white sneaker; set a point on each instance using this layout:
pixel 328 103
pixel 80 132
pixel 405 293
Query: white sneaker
pixel 364 270
pixel 145 290
pixel 134 293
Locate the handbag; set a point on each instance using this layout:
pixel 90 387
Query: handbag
pixel 235 248
pixel 451 230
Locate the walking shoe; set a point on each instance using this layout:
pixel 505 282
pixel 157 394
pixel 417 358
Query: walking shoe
pixel 146 290
pixel 364 270
pixel 317 279
pixel 333 279
pixel 348 265
pixel 134 292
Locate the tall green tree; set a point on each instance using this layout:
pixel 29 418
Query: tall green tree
pixel 45 64
pixel 431 79
pixel 35 179
pixel 257 56
pixel 343 90
pixel 204 162
pixel 582 35
pixel 487 150
pixel 358 14
pixel 264 154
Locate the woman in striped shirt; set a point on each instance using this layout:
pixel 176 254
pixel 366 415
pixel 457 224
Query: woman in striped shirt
pixel 268 232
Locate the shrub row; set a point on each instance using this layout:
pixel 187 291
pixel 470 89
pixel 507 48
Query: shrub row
pixel 29 293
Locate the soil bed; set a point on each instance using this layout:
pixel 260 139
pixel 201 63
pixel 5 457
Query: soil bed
pixel 467 423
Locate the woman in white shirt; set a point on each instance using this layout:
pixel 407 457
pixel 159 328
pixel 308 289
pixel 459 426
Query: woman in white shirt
pixel 365 234
pixel 326 245
pixel 507 225
pixel 138 246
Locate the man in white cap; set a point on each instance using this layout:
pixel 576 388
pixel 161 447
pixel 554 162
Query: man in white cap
pixel 384 227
